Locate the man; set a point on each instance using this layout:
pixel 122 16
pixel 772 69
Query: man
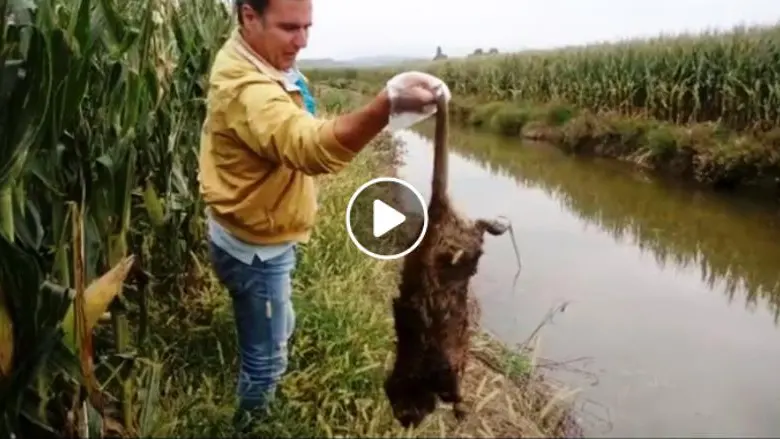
pixel 259 151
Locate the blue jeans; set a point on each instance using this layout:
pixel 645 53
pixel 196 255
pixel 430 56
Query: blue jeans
pixel 264 318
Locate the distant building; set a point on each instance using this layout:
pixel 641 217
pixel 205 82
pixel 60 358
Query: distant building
pixel 439 54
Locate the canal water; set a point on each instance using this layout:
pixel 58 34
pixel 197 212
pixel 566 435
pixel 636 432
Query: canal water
pixel 673 293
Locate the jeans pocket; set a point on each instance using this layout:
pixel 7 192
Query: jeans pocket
pixel 226 268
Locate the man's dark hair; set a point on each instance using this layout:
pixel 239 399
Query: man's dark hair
pixel 258 5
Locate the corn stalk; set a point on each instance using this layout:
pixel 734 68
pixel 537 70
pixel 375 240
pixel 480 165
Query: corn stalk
pixel 732 77
pixel 100 102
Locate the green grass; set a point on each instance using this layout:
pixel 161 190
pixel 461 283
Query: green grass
pixel 340 352
pixel 703 152
pixel 339 348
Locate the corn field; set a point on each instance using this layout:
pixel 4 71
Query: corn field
pixel 731 77
pixel 101 111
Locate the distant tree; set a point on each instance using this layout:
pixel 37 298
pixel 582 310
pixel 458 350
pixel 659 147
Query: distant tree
pixel 350 74
pixel 481 52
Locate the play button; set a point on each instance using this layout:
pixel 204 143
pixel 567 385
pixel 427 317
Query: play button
pixel 386 218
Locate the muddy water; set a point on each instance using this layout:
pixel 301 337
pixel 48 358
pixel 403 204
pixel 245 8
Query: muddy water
pixel 671 327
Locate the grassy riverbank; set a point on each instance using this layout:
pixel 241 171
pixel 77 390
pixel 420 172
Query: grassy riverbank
pixel 342 348
pixel 706 152
pixel 699 107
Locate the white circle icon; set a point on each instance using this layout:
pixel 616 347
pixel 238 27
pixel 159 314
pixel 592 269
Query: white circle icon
pixel 386 218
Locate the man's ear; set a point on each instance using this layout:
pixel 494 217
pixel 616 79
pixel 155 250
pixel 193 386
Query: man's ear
pixel 245 8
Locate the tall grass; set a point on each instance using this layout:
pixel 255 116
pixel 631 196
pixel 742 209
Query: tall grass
pixel 100 115
pixel 339 347
pixel 730 77
pixel 341 350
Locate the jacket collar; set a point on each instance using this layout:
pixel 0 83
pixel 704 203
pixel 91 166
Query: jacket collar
pixel 243 49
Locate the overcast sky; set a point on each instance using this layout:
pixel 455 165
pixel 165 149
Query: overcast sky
pixel 350 28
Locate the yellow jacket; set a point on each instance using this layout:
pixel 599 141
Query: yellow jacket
pixel 259 150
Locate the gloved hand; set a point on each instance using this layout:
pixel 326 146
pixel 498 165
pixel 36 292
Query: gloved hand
pixel 413 97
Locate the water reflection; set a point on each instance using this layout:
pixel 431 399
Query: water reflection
pixel 638 259
pixel 735 243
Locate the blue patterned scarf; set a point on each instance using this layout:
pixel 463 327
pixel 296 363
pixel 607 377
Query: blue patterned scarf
pixel 308 99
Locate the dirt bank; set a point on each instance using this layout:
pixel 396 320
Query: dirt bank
pixel 703 152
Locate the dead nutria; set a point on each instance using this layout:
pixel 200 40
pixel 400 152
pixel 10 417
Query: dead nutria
pixel 433 312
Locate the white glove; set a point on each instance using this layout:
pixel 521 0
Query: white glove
pixel 413 97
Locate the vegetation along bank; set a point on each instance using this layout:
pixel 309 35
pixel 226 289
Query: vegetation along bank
pixel 705 108
pixel 110 319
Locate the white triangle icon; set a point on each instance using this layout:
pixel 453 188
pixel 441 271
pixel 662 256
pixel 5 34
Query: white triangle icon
pixel 386 218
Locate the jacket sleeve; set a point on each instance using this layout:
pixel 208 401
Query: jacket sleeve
pixel 268 121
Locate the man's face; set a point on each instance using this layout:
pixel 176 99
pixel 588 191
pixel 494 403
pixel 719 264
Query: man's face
pixel 281 32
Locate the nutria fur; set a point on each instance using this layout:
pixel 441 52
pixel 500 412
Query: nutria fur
pixel 434 312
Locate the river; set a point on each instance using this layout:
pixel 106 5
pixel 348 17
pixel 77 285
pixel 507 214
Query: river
pixel 674 293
